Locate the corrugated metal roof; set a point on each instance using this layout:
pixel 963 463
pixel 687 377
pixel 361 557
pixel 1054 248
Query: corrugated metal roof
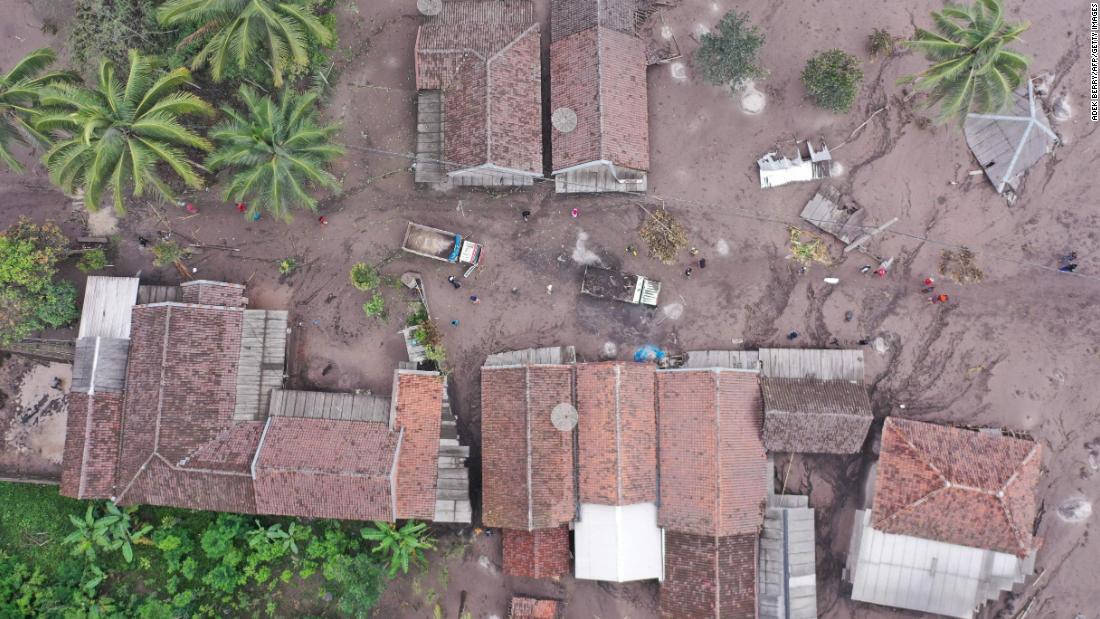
pixel 926 575
pixel 788 581
pixel 107 305
pixel 618 543
pixel 99 364
pixel 822 364
pixel 324 405
pixel 1008 143
pixel 262 362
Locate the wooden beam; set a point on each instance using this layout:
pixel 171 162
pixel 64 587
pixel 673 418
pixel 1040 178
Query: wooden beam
pixel 867 237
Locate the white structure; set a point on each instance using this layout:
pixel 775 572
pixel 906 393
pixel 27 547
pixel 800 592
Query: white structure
pixel 619 543
pixel 775 172
pixel 1006 144
pixel 927 575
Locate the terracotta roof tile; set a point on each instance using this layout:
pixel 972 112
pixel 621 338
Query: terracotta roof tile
pixel 617 433
pixel 484 57
pixel 708 577
pixel 527 463
pixel 712 460
pixel 531 608
pixel 327 469
pixel 957 486
pixel 542 553
pixel 417 401
pixel 568 17
pixel 91 445
pixel 815 416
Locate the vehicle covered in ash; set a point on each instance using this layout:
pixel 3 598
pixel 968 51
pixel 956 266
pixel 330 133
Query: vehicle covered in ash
pixel 620 286
pixel 441 245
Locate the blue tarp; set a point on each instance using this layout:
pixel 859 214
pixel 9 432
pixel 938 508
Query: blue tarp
pixel 649 352
pixel 456 250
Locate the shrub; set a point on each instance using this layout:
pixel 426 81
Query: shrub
pixel 401 547
pixel 167 252
pixel 376 307
pixel 110 28
pixel 92 260
pixel 832 79
pixel 881 43
pixel 288 266
pixel 30 298
pixel 364 277
pixel 729 56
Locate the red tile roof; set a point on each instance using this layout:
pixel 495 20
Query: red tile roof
pixel 708 577
pixel 617 433
pixel 527 463
pixel 484 57
pixel 531 608
pixel 417 402
pixel 327 469
pixel 542 553
pixel 600 73
pixel 91 445
pixel 957 486
pixel 712 461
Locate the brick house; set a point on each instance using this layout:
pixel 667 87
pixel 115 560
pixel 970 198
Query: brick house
pixel 179 402
pixel 479 94
pixel 950 521
pixel 600 116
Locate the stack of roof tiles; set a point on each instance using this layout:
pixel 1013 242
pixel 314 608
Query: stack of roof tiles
pixel 482 56
pixel 170 437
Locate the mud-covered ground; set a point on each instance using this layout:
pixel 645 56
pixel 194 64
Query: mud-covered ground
pixel 1018 350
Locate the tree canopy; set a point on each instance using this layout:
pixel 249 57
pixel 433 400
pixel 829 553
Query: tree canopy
pixel 30 298
pixel 832 79
pixel 20 91
pixel 728 56
pixel 114 136
pixel 972 70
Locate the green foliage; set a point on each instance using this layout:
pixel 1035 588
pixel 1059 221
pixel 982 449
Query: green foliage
pixel 288 266
pixel 115 137
pixel 20 92
pixel 363 586
pixel 730 54
pixel 400 546
pixel 277 33
pixel 92 260
pixel 972 68
pixel 30 298
pixel 832 79
pixel 418 314
pixel 167 252
pixel 881 43
pixel 106 528
pixel 275 151
pixel 807 248
pixel 364 277
pixel 110 28
pixel 376 307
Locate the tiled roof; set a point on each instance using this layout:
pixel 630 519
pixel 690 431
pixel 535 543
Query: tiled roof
pixel 417 402
pixel 957 486
pixel 617 433
pixel 600 73
pixel 206 292
pixel 712 461
pixel 484 57
pixel 542 553
pixel 568 17
pixel 709 577
pixel 532 608
pixel 91 445
pixel 326 469
pixel 815 416
pixel 527 463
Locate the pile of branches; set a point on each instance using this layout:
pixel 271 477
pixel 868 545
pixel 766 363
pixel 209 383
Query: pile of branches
pixel 960 266
pixel 664 235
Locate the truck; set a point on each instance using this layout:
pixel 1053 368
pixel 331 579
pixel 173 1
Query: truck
pixel 620 286
pixel 441 245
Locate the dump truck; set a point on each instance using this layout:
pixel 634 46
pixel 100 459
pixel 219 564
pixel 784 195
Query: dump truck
pixel 619 286
pixel 441 245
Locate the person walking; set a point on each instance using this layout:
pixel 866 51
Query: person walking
pixel 454 282
pixel 322 220
pixel 940 298
pixel 454 323
pixel 1068 268
pixel 474 299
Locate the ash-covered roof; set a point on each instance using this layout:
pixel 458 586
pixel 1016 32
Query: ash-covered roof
pixel 815 416
pixel 1006 144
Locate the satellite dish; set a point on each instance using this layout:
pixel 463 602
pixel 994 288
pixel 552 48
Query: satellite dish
pixel 564 417
pixel 564 119
pixel 429 7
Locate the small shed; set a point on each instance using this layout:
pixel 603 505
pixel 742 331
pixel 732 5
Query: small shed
pixel 827 212
pixel 1007 144
pixel 776 171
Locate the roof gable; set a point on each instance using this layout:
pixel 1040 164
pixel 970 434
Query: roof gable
pixel 957 486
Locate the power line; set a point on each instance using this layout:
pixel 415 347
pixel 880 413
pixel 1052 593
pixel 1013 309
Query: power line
pixel 733 209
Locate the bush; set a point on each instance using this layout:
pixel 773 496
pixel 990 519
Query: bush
pixel 376 307
pixel 729 56
pixel 832 79
pixel 167 252
pixel 364 277
pixel 288 266
pixel 92 260
pixel 881 43
pixel 30 298
pixel 110 28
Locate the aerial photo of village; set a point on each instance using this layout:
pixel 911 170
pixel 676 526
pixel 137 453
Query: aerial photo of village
pixel 549 309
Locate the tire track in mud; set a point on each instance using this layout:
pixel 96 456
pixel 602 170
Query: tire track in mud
pixel 761 316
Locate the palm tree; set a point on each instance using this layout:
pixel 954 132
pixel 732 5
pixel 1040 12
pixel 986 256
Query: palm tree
pixel 275 151
pixel 20 89
pixel 973 70
pixel 116 134
pixel 281 30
